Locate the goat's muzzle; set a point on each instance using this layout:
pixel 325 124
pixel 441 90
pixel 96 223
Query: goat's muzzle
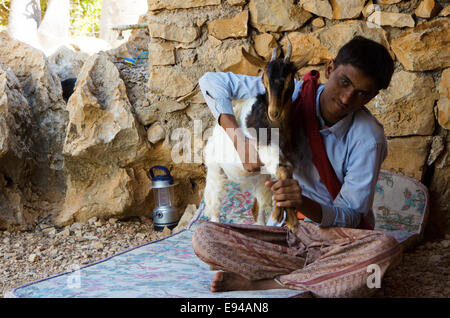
pixel 274 116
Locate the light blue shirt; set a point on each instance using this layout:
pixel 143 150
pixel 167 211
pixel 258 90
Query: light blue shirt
pixel 356 147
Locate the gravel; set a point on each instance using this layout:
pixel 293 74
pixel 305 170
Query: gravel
pixel 48 250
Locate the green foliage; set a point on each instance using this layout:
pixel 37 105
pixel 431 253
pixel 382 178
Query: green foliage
pixel 85 17
pixel 4 13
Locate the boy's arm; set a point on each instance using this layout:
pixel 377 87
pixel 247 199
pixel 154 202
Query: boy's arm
pixel 219 89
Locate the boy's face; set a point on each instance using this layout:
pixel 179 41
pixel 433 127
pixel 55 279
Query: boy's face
pixel 348 88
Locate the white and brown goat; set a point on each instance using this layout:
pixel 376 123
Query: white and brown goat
pixel 272 112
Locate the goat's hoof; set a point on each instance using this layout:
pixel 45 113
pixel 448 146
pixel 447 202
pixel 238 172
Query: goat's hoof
pixel 291 218
pixel 277 214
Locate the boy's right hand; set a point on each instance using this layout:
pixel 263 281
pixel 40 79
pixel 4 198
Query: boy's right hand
pixel 248 158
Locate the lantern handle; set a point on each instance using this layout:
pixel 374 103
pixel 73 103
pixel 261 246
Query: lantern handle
pixel 161 168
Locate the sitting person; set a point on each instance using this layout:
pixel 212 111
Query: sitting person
pixel 330 251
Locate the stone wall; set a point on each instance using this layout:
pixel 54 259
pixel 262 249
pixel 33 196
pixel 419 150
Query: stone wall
pixel 122 120
pixel 188 38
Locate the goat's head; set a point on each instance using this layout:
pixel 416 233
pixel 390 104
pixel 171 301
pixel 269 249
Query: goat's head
pixel 278 79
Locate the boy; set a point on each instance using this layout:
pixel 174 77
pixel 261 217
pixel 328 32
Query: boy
pixel 327 255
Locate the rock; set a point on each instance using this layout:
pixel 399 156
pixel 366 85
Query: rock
pixel 237 2
pixel 235 27
pixel 97 245
pixel 161 53
pixel 437 146
pixel 232 60
pixel 334 37
pixel 187 216
pixel 140 236
pixel 179 4
pixel 112 220
pixel 407 155
pixel 169 106
pixel 49 230
pixel 425 47
pixel 155 133
pixel 347 9
pixel 41 86
pixel 445 243
pixel 166 232
pixel 445 12
pixel 318 23
pixel 435 258
pixel 68 62
pixel 405 107
pixel 33 258
pixel 368 9
pixel 428 9
pixel 92 220
pixel 76 226
pixel 393 19
pixel 443 104
pixel 276 16
pixel 172 32
pixel 213 41
pixel 105 148
pixel 147 114
pixel 16 151
pixel 170 82
pixel 65 232
pixel 303 43
pixel 318 7
pixel 264 45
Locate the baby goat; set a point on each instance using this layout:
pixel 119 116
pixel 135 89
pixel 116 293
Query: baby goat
pixel 273 109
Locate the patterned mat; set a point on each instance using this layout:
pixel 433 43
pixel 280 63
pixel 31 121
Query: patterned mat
pixel 169 268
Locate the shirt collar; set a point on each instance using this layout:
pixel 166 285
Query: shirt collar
pixel 340 128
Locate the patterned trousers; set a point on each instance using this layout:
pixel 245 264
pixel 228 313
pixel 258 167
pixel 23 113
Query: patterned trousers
pixel 328 262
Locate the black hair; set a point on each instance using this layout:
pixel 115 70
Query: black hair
pixel 369 56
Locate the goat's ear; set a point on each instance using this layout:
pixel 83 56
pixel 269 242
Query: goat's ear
pixel 303 60
pixel 254 60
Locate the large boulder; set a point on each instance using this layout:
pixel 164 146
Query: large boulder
pixel 67 61
pixel 406 106
pixel 15 152
pixel 105 148
pixel 41 86
pixel 425 47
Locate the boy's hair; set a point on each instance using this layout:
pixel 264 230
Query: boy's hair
pixel 369 56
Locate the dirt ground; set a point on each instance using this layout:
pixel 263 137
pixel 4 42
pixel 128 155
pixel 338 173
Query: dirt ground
pixel 46 251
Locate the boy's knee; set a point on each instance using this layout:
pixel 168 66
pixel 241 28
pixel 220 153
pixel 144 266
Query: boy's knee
pixel 203 237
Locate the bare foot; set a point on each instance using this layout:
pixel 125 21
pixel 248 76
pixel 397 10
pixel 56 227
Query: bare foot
pixel 226 281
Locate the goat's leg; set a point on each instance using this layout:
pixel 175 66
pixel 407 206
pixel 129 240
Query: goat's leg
pixel 283 173
pixel 263 201
pixel 215 186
